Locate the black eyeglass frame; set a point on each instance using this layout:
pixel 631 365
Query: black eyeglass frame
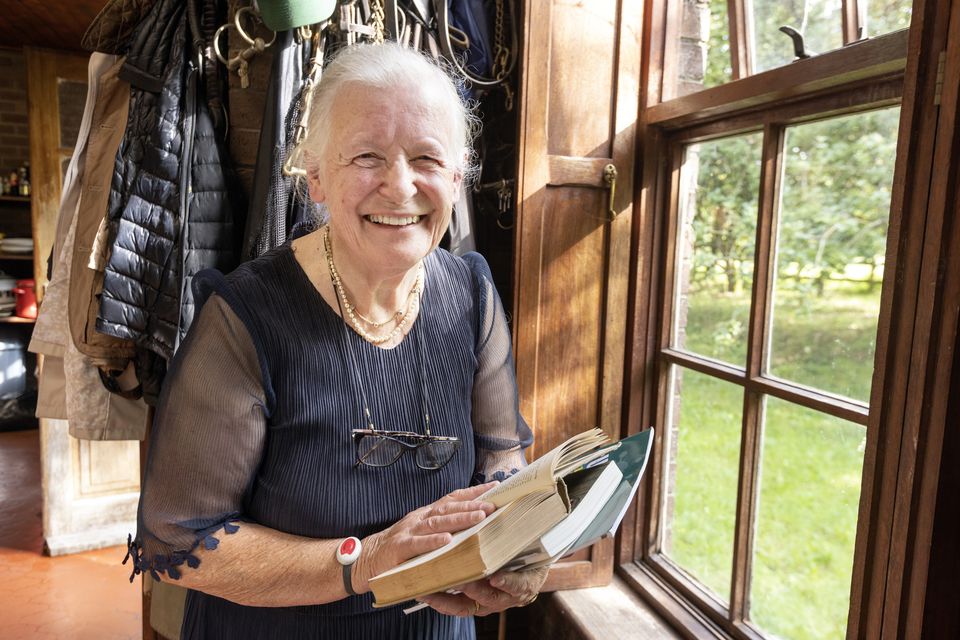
pixel 399 437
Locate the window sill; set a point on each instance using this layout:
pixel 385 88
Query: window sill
pixel 614 611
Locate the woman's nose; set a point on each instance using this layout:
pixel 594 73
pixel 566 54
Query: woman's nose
pixel 399 181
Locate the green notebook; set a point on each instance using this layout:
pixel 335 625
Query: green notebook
pixel 631 457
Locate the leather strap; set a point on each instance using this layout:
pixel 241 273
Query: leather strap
pixel 347 553
pixel 347 583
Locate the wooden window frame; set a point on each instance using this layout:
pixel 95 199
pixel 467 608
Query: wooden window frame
pixel 757 383
pixel 742 46
pixel 917 327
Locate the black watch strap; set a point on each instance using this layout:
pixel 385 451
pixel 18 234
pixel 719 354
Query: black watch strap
pixel 347 583
pixel 347 553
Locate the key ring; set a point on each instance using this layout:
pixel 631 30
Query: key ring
pixel 256 18
pixel 257 43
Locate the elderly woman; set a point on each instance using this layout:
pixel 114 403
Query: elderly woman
pixel 275 489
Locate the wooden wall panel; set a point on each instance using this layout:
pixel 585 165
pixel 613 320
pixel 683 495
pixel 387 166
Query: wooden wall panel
pixel 578 108
pixel 572 291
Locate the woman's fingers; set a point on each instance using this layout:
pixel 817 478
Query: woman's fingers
pixel 445 508
pixel 522 584
pixel 453 605
pixel 449 523
pixel 489 598
pixel 454 512
pixel 411 546
pixel 468 493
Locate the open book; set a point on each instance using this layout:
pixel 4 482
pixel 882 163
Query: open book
pixel 599 513
pixel 530 504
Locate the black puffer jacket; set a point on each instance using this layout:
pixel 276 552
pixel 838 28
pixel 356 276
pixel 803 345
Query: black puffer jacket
pixel 171 212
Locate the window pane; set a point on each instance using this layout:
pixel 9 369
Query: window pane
pixel 704 46
pixel 819 21
pixel 834 208
pixel 701 488
pixel 806 523
pixel 719 187
pixel 884 16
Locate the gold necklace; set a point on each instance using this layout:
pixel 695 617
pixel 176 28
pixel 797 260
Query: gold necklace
pixel 379 325
pixel 413 299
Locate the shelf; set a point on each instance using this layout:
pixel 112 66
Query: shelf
pixel 16 320
pixel 16 256
pixel 17 199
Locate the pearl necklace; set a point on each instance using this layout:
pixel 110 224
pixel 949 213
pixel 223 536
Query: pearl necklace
pixel 413 300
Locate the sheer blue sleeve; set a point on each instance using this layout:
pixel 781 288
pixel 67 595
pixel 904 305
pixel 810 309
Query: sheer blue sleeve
pixel 500 432
pixel 205 445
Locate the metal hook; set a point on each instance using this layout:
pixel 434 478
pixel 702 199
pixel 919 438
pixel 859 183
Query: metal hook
pixel 799 50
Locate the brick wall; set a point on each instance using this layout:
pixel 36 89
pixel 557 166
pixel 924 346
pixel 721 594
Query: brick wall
pixel 14 133
pixel 72 97
pixel 694 36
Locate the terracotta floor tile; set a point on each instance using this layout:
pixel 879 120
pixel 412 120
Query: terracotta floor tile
pixel 83 596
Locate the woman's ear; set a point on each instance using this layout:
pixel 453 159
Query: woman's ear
pixel 457 183
pixel 314 184
pixel 458 174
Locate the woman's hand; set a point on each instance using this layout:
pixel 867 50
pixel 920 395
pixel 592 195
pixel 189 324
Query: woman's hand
pixel 501 591
pixel 420 531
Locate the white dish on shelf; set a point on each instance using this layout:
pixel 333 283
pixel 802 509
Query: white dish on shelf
pixel 15 248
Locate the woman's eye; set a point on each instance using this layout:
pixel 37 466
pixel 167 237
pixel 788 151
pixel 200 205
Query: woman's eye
pixel 368 160
pixel 427 161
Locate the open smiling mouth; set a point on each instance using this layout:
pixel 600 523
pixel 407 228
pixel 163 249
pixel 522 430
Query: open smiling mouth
pixel 393 221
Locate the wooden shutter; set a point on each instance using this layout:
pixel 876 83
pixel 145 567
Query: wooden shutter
pixel 578 106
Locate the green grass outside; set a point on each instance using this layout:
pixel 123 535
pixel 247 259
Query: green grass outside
pixel 810 467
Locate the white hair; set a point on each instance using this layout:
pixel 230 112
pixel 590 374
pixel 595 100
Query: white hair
pixel 389 66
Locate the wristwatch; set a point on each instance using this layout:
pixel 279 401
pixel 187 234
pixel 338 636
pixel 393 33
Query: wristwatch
pixel 347 553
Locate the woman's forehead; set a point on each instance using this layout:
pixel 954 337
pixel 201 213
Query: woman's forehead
pixel 423 101
pixel 363 113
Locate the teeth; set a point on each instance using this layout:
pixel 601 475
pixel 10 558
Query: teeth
pixel 394 220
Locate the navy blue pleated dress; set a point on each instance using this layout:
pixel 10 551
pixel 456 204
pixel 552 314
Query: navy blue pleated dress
pixel 255 423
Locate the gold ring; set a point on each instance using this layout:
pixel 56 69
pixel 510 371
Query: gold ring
pixel 476 607
pixel 531 600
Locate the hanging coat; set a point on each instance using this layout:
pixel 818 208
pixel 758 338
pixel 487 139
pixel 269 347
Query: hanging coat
pixel 171 210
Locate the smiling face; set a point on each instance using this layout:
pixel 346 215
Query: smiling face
pixel 388 175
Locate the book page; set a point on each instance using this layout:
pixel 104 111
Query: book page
pixel 541 474
pixel 537 476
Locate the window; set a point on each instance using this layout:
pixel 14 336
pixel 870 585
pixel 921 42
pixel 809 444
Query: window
pixel 716 41
pixel 771 202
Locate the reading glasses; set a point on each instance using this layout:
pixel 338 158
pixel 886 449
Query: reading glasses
pixel 376 448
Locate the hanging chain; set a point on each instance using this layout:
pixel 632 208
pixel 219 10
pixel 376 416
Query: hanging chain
pixel 376 10
pixel 501 56
pixel 318 41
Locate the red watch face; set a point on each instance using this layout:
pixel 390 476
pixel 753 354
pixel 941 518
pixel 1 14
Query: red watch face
pixel 347 546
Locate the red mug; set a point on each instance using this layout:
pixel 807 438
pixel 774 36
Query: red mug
pixel 26 298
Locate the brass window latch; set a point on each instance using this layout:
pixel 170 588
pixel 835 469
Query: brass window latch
pixel 610 178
